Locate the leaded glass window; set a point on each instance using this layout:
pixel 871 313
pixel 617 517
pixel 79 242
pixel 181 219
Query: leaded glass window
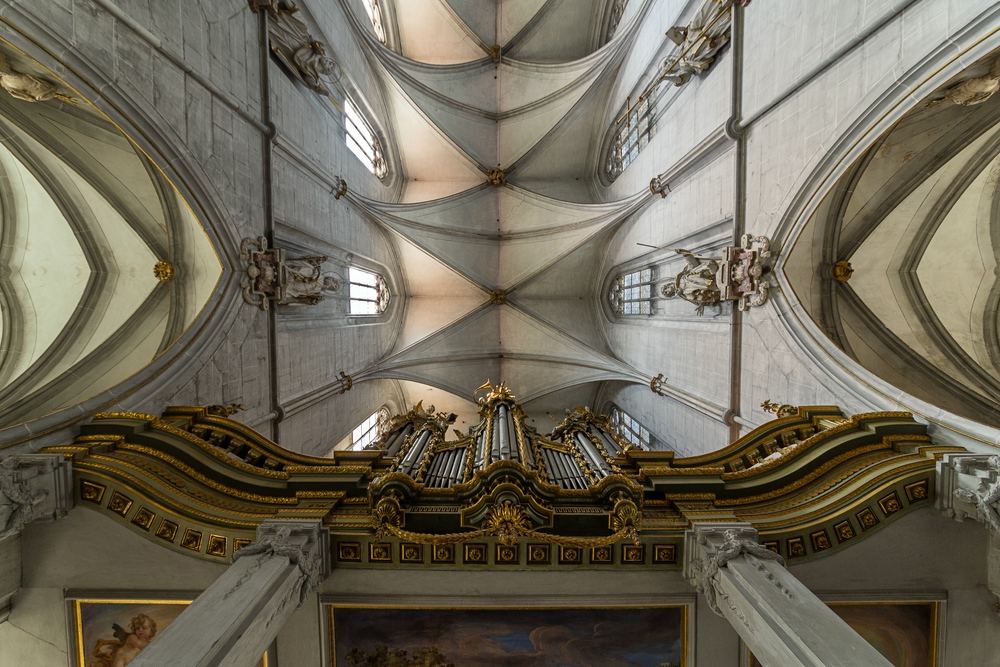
pixel 362 141
pixel 632 136
pixel 632 293
pixel 370 429
pixel 629 429
pixel 375 15
pixel 369 294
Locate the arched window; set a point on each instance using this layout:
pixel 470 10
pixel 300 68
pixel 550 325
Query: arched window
pixel 369 295
pixel 632 293
pixel 362 141
pixel 629 429
pixel 370 429
pixel 375 15
pixel 635 127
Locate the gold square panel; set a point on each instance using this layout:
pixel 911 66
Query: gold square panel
pixel 601 555
pixel 820 540
pixel 890 504
pixel 844 531
pixel 867 518
pixel 773 546
pixel 570 555
pixel 192 540
pixel 411 553
pixel 217 545
pixel 633 555
pixel 349 552
pixel 380 552
pixel 167 530
pixel 241 542
pixel 443 554
pixel 796 547
pixel 507 555
pixel 664 553
pixel 119 503
pixel 475 554
pixel 143 518
pixel 918 491
pixel 91 491
pixel 539 554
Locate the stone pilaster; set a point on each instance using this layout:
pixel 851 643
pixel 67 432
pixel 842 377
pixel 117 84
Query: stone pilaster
pixel 33 487
pixel 780 619
pixel 234 621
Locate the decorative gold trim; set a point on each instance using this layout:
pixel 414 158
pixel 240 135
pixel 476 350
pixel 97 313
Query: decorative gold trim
pixel 217 545
pixel 119 503
pixel 192 539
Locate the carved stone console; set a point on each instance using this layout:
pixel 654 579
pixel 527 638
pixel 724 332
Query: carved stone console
pixel 780 619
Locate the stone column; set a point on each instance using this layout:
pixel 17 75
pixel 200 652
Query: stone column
pixel 782 622
pixel 32 487
pixel 233 622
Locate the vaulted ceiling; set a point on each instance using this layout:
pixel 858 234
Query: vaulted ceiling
pixel 918 218
pixel 84 218
pixel 501 282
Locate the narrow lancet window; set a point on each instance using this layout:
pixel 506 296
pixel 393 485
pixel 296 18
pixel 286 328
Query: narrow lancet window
pixel 368 292
pixel 362 141
pixel 634 129
pixel 375 15
pixel 629 429
pixel 370 429
pixel 632 293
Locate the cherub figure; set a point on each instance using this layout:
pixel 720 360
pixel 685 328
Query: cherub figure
pixel 123 649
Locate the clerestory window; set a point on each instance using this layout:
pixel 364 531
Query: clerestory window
pixel 629 429
pixel 362 141
pixel 370 429
pixel 632 293
pixel 375 15
pixel 634 130
pixel 368 293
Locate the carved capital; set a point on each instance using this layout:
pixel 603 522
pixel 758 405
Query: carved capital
pixel 306 544
pixel 33 486
pixel 709 548
pixel 969 486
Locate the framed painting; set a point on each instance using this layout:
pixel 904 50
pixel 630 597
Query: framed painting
pixel 906 632
pixel 111 630
pixel 366 636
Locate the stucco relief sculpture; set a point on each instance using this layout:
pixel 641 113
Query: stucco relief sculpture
pixel 739 275
pixel 24 86
pixel 986 498
pixel 272 277
pixel 301 53
pixel 17 500
pixel 704 570
pixel 977 90
pixel 699 41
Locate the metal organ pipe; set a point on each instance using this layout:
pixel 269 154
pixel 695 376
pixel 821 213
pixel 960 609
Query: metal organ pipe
pixel 415 454
pixel 597 462
pixel 504 430
pixel 609 443
pixel 393 446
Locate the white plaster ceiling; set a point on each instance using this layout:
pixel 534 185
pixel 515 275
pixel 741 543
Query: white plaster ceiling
pixel 918 219
pixel 85 217
pixel 456 113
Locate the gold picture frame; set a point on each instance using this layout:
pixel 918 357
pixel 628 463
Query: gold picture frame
pixel 930 605
pixel 524 617
pixel 102 623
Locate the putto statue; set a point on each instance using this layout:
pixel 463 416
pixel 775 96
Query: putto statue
pixel 696 283
pixel 273 278
pixel 301 53
pixel 307 283
pixel 699 41
pixel 977 90
pixel 739 275
pixel 24 86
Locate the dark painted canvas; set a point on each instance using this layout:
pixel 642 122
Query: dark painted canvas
pixel 903 632
pixel 625 637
